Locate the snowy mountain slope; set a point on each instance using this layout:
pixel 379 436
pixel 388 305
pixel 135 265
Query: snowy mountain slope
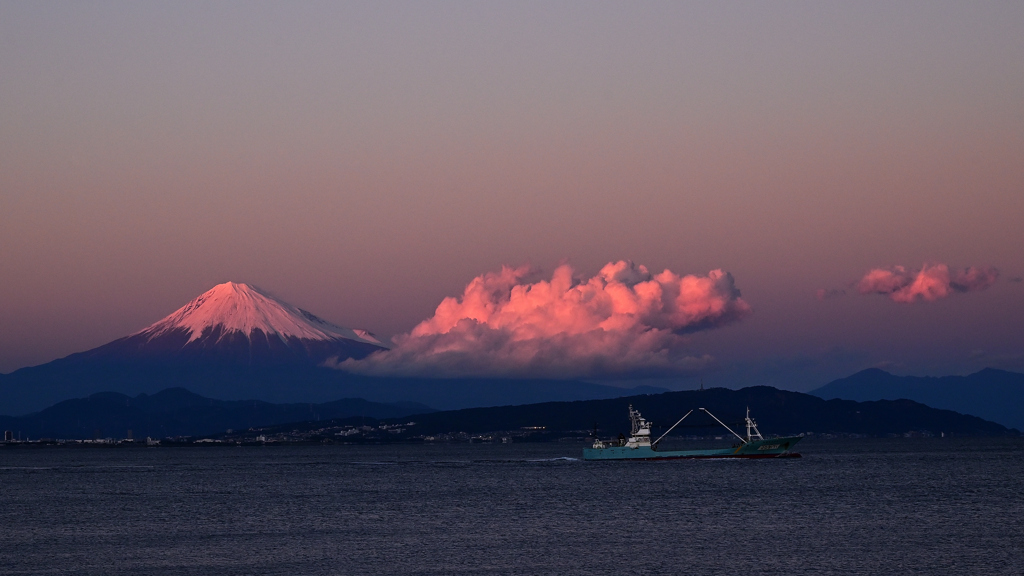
pixel 236 323
pixel 243 308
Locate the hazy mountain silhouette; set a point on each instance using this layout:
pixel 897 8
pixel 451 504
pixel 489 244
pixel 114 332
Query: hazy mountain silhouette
pixel 777 412
pixel 178 412
pixel 992 394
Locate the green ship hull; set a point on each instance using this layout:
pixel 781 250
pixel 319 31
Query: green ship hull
pixel 770 448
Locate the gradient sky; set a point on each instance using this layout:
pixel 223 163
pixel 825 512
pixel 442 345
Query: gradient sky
pixel 365 160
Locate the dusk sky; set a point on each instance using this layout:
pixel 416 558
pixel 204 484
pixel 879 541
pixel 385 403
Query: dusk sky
pixel 856 167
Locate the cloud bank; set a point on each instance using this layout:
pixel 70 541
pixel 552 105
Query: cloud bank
pixel 932 282
pixel 623 322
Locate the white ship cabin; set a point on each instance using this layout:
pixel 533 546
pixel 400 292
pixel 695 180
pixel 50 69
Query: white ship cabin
pixel 641 432
pixel 640 435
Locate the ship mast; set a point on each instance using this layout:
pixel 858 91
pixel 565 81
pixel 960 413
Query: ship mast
pixel 751 425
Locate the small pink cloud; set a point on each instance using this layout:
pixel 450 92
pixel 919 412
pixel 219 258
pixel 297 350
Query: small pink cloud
pixel 932 282
pixel 828 293
pixel 624 321
pixel 973 279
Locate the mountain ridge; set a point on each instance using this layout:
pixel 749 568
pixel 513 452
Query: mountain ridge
pixel 990 393
pixel 179 412
pixel 30 390
pixel 778 412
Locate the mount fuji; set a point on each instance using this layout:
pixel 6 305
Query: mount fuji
pixel 236 342
pixel 238 324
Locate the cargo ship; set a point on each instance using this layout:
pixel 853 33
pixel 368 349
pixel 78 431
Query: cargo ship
pixel 640 447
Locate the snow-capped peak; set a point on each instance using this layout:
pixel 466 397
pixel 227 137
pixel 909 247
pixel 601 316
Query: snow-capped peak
pixel 242 308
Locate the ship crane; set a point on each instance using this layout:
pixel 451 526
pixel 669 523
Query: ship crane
pixel 704 410
pixel 655 443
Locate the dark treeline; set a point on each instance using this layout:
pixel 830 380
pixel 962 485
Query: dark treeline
pixel 777 412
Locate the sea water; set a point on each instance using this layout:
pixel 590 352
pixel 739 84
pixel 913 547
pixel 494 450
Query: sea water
pixel 875 506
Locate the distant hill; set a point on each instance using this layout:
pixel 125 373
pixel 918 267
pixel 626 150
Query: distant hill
pixel 994 395
pixel 32 389
pixel 778 412
pixel 178 412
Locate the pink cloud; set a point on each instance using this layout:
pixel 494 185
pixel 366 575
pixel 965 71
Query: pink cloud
pixel 828 293
pixel 932 282
pixel 624 321
pixel 973 279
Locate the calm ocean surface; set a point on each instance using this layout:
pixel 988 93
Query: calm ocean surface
pixel 895 506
